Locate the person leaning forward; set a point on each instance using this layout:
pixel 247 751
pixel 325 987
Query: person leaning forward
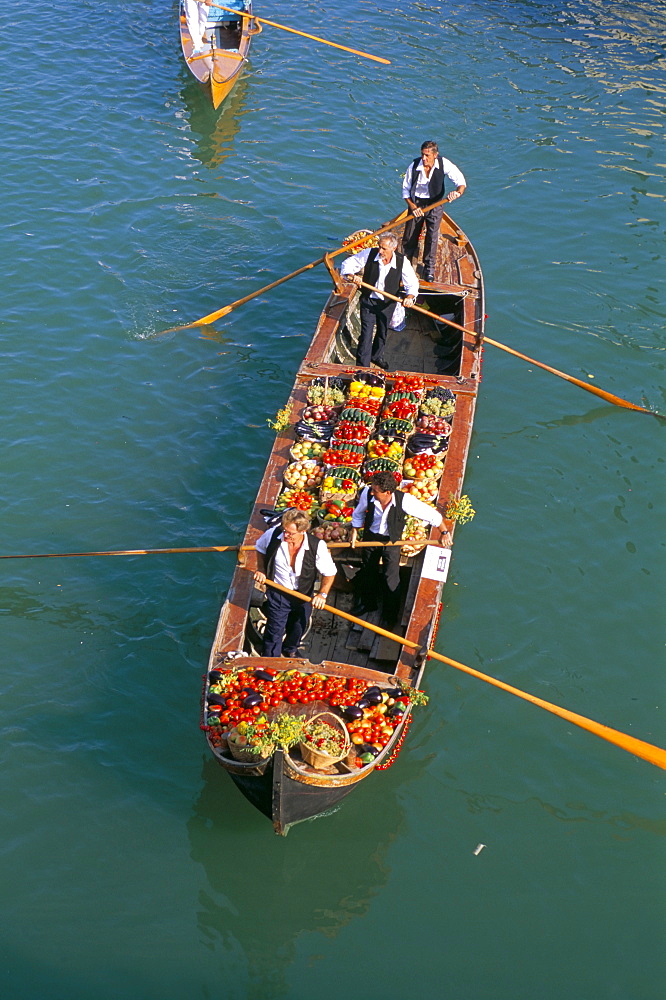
pixel 291 556
pixel 385 269
pixel 423 185
pixel 381 512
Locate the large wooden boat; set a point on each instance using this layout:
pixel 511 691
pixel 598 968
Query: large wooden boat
pixel 219 65
pixel 284 787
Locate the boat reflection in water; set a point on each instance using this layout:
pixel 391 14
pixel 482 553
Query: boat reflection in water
pixel 305 894
pixel 213 132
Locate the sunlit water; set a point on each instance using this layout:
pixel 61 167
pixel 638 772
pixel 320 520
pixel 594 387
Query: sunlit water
pixel 131 867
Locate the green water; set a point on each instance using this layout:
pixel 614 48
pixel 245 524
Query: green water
pixel 130 865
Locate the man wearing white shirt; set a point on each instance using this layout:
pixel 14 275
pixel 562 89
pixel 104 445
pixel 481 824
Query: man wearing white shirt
pixel 424 184
pixel 291 556
pixel 386 270
pixel 196 15
pixel 381 512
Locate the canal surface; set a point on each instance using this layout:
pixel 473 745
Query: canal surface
pixel 130 865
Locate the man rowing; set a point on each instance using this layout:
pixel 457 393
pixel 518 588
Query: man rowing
pixel 291 556
pixel 387 270
pixel 424 185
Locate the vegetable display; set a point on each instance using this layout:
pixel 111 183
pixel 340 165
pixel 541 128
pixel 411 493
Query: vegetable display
pixel 433 425
pixel 379 448
pixel 423 467
pixel 256 710
pixel 307 449
pixel 422 489
pixel 350 430
pixel 343 456
pixel 353 428
pixel 300 499
pixel 332 511
pixel 320 413
pixel 305 474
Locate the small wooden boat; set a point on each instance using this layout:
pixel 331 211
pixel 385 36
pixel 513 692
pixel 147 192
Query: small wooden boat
pixel 218 65
pixel 284 786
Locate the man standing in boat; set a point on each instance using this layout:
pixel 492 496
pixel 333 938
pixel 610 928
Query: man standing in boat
pixel 386 270
pixel 381 512
pixel 196 15
pixel 291 556
pixel 423 185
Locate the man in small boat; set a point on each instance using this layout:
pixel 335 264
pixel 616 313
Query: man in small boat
pixel 423 185
pixel 291 556
pixel 202 13
pixel 385 269
pixel 196 15
pixel 381 512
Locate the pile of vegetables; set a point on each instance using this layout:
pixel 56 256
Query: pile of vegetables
pixel 305 474
pixel 353 457
pixel 307 449
pixel 300 499
pixel 256 706
pixel 386 448
pixel 433 425
pixel 324 738
pixel 353 429
pixel 319 413
pixel 423 466
pixel 332 531
pixel 335 512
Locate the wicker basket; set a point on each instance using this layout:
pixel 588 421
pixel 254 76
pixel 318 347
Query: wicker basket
pixel 317 759
pixel 296 457
pixel 243 754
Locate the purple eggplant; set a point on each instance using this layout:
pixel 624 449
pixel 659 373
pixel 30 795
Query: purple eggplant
pixel 352 713
pixel 252 699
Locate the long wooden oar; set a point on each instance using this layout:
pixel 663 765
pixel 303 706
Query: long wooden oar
pixel 649 752
pixel 421 543
pixel 348 248
pixel 608 396
pixel 315 38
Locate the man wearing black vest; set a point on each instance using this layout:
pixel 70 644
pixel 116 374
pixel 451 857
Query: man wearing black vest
pixel 381 512
pixel 423 185
pixel 385 269
pixel 291 556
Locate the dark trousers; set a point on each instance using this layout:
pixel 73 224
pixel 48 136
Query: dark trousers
pixel 379 572
pixel 286 620
pixel 410 240
pixel 374 312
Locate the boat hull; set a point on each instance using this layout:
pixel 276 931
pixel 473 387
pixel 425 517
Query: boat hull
pixel 284 790
pixel 285 800
pixel 219 70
